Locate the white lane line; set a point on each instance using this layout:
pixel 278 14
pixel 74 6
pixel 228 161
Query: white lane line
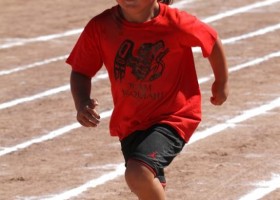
pixel 263 188
pixel 256 33
pixel 42 38
pixel 53 134
pixel 231 123
pixel 181 4
pixel 44 94
pixel 36 64
pixel 103 76
pixel 49 136
pixel 240 10
pixel 34 97
pixel 255 61
pixel 43 138
pixel 244 65
pixel 259 32
pixel 78 31
pixel 119 171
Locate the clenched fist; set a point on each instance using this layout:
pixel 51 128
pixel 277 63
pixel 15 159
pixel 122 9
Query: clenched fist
pixel 87 114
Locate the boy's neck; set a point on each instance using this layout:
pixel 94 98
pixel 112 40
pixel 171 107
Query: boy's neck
pixel 140 16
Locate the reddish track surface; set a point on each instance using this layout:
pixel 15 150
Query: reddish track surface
pixel 225 166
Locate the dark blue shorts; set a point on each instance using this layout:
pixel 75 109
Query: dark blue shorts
pixel 155 147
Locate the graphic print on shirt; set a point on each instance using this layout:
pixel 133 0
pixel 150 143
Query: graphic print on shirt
pixel 147 65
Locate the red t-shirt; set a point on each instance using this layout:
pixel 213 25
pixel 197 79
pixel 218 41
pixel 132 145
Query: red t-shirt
pixel 150 66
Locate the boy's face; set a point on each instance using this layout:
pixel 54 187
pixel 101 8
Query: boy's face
pixel 138 10
pixel 135 4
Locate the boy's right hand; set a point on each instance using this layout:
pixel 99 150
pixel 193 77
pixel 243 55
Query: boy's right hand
pixel 87 115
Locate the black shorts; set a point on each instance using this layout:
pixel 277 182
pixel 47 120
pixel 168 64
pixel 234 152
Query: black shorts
pixel 155 147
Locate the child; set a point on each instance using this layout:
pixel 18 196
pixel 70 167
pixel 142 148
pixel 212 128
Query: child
pixel 146 48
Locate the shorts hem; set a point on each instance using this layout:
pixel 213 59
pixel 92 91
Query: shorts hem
pixel 145 164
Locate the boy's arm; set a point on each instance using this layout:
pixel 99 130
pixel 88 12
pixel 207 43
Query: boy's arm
pixel 218 63
pixel 85 106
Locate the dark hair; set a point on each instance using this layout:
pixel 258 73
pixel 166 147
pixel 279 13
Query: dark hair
pixel 167 2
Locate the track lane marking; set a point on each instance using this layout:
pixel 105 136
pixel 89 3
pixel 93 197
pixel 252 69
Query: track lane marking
pixel 61 131
pixel 256 33
pixel 213 18
pixel 49 136
pixel 64 88
pixel 32 65
pixel 45 93
pixel 244 65
pixel 240 10
pixel 263 188
pixel 119 171
pixel 43 38
pixel 231 123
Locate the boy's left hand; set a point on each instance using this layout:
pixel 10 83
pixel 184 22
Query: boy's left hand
pixel 219 93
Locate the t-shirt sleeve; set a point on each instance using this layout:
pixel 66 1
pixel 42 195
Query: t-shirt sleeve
pixel 85 57
pixel 198 34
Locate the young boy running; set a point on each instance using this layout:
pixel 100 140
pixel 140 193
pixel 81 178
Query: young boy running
pixel 146 47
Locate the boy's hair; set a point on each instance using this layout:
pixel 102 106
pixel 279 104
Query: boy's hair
pixel 167 2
